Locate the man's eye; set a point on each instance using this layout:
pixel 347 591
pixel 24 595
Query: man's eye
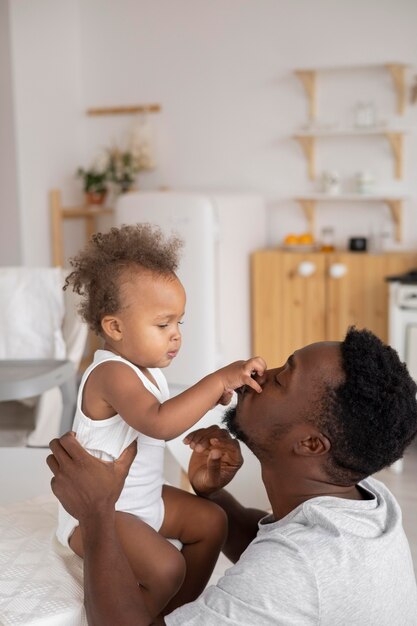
pixel 181 322
pixel 162 325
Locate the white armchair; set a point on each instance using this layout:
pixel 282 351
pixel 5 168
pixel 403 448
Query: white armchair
pixel 38 320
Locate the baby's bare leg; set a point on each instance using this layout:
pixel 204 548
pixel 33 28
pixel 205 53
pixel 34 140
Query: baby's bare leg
pixel 158 566
pixel 201 526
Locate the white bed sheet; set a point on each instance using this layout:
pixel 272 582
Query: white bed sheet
pixel 40 580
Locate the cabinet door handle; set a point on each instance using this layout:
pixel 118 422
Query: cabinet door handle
pixel 306 268
pixel 337 270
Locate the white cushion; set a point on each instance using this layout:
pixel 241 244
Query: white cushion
pixel 31 313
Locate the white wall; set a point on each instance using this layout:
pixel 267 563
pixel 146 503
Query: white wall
pixel 222 71
pixel 10 252
pixel 48 115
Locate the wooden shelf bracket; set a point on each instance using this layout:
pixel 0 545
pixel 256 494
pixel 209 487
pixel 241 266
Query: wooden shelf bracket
pixel 396 208
pixel 309 208
pixel 309 80
pixel 396 140
pixel 308 144
pixel 397 71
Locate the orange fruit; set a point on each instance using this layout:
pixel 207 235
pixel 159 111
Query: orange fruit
pixel 305 239
pixel 291 240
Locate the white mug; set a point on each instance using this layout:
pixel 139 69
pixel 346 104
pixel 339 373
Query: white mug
pixel 330 182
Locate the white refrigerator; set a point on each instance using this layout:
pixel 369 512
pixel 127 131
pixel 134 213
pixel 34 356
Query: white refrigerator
pixel 219 233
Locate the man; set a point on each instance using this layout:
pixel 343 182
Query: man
pixel 333 551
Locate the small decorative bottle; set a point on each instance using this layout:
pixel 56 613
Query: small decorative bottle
pixel 327 239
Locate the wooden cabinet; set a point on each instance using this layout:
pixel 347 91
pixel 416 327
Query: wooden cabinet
pixel 300 298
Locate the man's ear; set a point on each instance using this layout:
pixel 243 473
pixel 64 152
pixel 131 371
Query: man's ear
pixel 112 327
pixel 312 445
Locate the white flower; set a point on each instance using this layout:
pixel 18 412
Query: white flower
pixel 101 162
pixel 141 145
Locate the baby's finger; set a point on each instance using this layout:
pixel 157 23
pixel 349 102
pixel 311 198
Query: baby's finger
pixel 251 382
pixel 258 365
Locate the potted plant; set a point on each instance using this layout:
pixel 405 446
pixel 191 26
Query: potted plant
pixel 123 169
pixel 95 180
pixel 124 164
pixel 116 169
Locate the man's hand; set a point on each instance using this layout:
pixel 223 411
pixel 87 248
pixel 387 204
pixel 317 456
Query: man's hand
pixel 215 460
pixel 82 483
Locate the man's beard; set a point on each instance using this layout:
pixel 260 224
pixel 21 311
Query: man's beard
pixel 229 420
pixel 259 449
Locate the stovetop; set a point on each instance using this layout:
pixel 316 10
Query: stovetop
pixel 408 278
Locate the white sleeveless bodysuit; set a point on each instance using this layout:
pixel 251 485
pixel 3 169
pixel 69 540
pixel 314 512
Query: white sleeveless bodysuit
pixel 106 439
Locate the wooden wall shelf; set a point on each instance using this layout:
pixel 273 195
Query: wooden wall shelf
pixel 125 110
pixel 394 136
pixel 59 214
pixel 397 71
pixel 395 204
pixel 307 141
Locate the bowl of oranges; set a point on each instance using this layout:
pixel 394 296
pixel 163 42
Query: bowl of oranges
pixel 299 242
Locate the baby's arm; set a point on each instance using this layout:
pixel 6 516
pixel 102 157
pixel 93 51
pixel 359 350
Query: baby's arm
pixel 120 388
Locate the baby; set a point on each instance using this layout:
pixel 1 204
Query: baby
pixel 133 299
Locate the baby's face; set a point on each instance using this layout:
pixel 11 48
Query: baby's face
pixel 152 310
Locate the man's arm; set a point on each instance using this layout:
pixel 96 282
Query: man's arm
pixel 88 489
pixel 215 460
pixel 111 593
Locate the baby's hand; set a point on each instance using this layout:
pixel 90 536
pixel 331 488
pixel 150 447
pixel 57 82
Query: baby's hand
pixel 241 373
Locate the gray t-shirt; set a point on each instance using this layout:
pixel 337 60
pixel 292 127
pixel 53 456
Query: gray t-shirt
pixel 331 561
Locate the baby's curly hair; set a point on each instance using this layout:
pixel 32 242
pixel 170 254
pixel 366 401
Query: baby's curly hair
pixel 99 266
pixel 371 417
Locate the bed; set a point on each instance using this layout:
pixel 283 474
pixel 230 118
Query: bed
pixel 40 580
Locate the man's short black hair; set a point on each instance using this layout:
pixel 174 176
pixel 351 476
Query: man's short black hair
pixel 371 417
